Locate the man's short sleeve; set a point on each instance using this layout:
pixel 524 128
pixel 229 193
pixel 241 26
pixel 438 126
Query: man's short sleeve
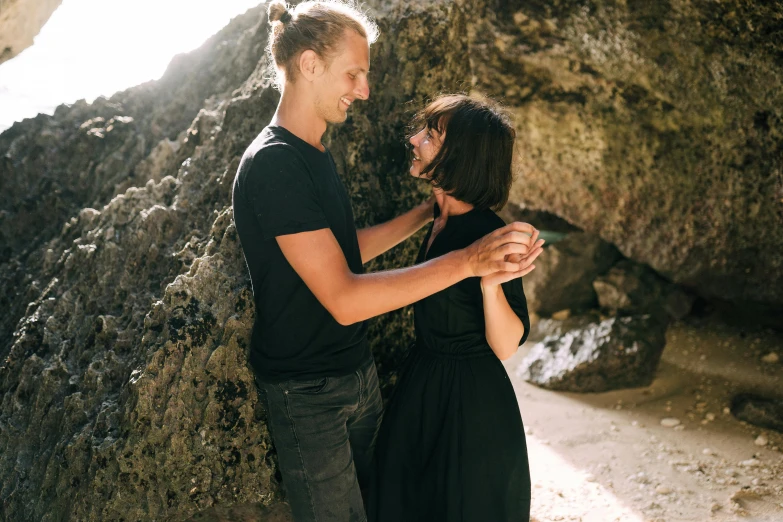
pixel 281 190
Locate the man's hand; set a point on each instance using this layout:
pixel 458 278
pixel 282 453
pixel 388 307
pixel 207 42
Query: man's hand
pixel 431 205
pixel 525 265
pixel 490 253
pixel 526 260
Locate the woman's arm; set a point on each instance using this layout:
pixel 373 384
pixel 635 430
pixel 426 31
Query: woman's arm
pixel 503 328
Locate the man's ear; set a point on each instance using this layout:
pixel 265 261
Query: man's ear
pixel 310 65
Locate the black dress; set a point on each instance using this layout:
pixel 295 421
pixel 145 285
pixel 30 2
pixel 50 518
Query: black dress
pixel 451 447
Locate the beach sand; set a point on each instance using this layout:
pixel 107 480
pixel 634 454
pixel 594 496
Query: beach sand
pixel 606 457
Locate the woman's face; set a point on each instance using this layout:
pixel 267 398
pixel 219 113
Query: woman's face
pixel 426 145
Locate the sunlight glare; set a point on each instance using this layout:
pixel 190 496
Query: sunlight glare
pixel 90 48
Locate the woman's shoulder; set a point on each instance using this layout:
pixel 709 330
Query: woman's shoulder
pixel 479 223
pixel 488 221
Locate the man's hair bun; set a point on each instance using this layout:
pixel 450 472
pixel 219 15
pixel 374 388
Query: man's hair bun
pixel 277 12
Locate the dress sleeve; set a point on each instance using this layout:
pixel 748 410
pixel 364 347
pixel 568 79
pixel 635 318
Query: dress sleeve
pixel 282 193
pixel 515 295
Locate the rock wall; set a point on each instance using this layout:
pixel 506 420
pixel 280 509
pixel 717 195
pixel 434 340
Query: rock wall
pixel 20 22
pixel 657 125
pixel 124 393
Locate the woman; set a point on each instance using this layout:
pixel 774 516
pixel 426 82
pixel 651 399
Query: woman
pixel 451 447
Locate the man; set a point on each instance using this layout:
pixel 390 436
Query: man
pixel 295 223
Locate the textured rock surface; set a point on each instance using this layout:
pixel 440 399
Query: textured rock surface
pixel 631 288
pixel 759 411
pixel 583 356
pixel 656 125
pixel 124 392
pixel 20 22
pixel 564 274
pixel 123 388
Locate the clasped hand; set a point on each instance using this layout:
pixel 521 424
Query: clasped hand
pixel 516 264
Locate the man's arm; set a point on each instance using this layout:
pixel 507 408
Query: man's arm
pixel 375 240
pixel 351 298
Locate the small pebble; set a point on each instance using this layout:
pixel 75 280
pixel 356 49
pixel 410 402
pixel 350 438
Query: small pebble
pixel 750 463
pixel 663 490
pixel 640 477
pixel 707 451
pixel 590 478
pixel 771 358
pixel 726 410
pixel 679 428
pixel 709 416
pixel 761 440
pixel 670 422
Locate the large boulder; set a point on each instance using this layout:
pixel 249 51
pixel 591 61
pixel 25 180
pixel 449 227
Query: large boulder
pixel 584 356
pixel 656 125
pixel 124 390
pixel 631 288
pixel 564 274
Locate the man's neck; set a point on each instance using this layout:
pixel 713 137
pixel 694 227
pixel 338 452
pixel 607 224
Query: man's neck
pixel 298 116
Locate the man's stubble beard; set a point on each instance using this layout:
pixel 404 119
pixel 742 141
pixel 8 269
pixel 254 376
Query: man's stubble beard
pixel 330 112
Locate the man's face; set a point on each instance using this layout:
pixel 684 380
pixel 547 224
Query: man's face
pixel 345 79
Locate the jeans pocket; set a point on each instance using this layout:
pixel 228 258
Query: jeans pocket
pixel 310 386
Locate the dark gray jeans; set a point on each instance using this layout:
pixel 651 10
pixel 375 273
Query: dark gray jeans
pixel 324 431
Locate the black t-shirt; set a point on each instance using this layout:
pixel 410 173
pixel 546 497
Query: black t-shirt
pixel 283 186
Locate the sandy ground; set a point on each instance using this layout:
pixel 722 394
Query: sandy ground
pixel 606 457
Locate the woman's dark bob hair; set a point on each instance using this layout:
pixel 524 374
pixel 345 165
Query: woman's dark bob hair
pixel 474 163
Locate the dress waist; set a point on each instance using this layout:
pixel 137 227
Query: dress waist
pixel 471 352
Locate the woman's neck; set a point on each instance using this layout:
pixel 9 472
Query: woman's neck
pixel 450 206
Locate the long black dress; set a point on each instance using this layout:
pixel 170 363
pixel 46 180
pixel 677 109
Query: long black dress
pixel 451 447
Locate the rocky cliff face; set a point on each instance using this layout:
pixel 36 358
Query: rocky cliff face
pixel 656 125
pixel 20 22
pixel 124 393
